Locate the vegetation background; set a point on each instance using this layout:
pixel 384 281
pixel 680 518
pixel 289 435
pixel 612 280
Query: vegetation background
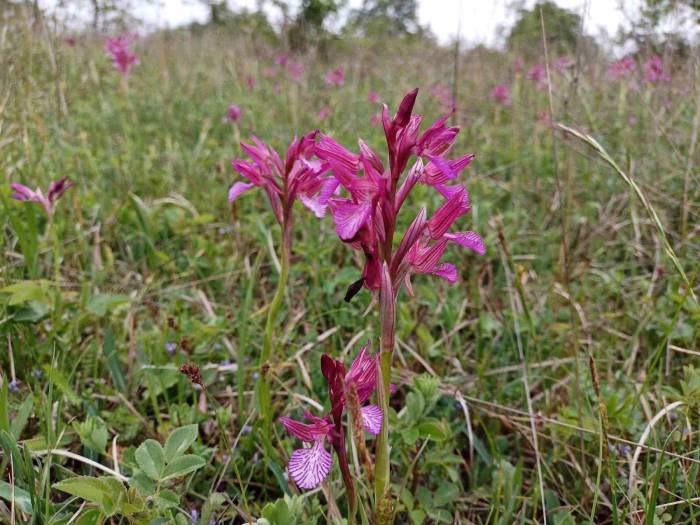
pixel 579 298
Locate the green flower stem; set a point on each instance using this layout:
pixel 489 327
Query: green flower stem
pixel 264 364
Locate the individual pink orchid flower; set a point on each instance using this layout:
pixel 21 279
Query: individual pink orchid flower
pixel 122 57
pixel 501 94
pixel 335 77
pixel 56 190
pixel 295 71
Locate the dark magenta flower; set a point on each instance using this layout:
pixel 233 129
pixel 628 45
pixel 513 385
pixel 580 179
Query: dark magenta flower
pixel 122 57
pixel 234 113
pixel 335 77
pixel 56 190
pixel 654 70
pixel 501 94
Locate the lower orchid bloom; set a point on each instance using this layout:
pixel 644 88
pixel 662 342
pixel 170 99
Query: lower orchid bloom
pixel 56 190
pixel 309 466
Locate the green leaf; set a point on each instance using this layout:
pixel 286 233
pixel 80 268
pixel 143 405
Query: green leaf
pixel 446 493
pixel 21 417
pixel 90 517
pixel 143 484
pixel 432 429
pixel 112 359
pixel 179 440
pixel 4 406
pixel 278 513
pixel 55 376
pixel 182 465
pixel 215 501
pixel 104 303
pixel 149 457
pixel 25 291
pixel 21 497
pixel 167 499
pixel 88 488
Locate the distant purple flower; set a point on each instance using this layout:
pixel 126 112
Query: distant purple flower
pixel 71 40
pixel 250 81
pixel 654 70
pixel 563 63
pixel 234 113
pixel 621 68
pixel 373 97
pixel 122 57
pixel 270 72
pixel 443 94
pixel 538 74
pixel 13 386
pixel 56 190
pixel 194 516
pixel 282 59
pixel 171 348
pixel 37 373
pixel 324 113
pixel 519 64
pixel 295 70
pixel 336 77
pixel 501 94
pixel 376 119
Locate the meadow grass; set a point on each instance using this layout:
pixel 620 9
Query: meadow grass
pixel 585 295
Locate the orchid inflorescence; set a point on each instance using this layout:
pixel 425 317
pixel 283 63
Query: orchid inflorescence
pixel 55 191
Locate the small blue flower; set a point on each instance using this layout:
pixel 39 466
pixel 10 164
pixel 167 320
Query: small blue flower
pixel 194 516
pixel 37 373
pixel 171 348
pixel 13 386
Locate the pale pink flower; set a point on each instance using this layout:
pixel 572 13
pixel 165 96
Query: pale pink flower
pixel 501 94
pixel 335 77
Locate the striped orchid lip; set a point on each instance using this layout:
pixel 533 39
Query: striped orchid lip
pixel 309 466
pixel 56 190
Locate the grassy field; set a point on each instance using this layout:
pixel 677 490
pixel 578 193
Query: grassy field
pixel 558 371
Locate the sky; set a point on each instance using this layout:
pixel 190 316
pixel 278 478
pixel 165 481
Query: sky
pixel 476 21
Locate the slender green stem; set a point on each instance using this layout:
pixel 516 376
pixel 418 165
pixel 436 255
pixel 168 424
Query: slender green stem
pixel 264 397
pixel 58 299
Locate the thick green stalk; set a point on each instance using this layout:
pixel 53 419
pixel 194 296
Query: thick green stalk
pixel 264 398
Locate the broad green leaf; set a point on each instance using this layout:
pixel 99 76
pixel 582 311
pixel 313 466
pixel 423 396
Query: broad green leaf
pixel 88 488
pixel 446 493
pixel 149 457
pixel 166 499
pixel 21 497
pixel 179 440
pixel 90 517
pixel 182 465
pixel 4 406
pixel 143 484
pixel 433 429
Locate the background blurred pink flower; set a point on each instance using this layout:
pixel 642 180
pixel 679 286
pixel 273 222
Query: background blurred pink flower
pixel 324 113
pixel 621 68
pixel 443 94
pixel 234 113
pixel 122 57
pixel 538 74
pixel 376 119
pixel 295 70
pixel 654 70
pixel 501 94
pixel 373 97
pixel 563 63
pixel 335 77
pixel 519 64
pixel 250 81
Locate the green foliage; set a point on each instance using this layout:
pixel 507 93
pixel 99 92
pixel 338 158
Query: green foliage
pixel 386 18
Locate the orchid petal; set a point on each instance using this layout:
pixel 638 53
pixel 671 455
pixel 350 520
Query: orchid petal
pixel 372 418
pixel 350 217
pixel 237 189
pixel 308 467
pixel 450 211
pixel 447 271
pixel 470 240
